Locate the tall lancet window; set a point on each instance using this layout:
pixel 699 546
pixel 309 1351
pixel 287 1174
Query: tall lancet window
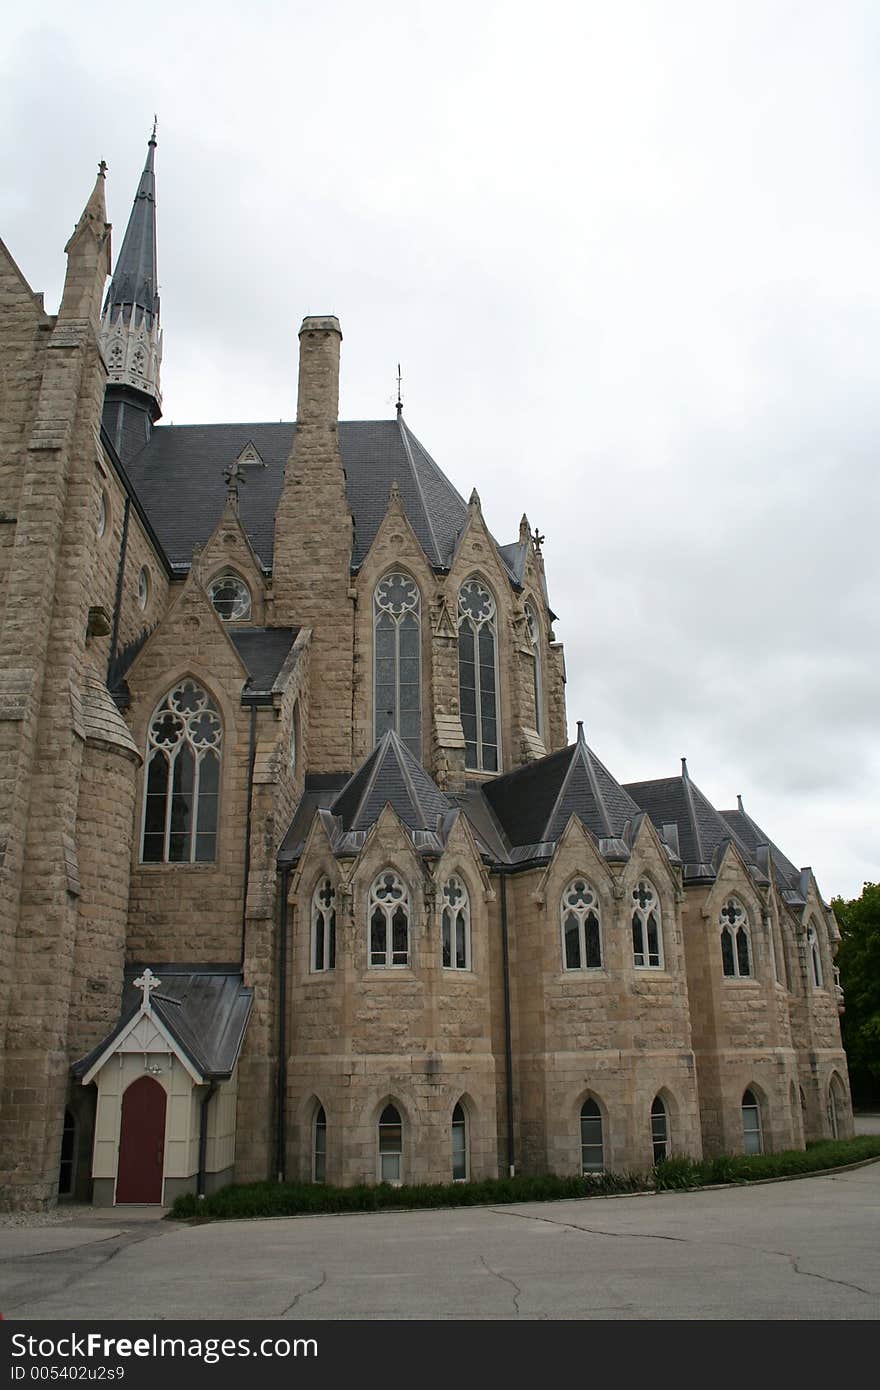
pixel 397 686
pixel 534 632
pixel 478 676
pixel 182 779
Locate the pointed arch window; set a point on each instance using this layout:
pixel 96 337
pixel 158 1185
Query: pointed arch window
pixel 389 915
pixel 397 669
pixel 478 676
pixel 836 1108
pixel 660 1129
pixel 815 956
pixel 647 927
pixel 67 1167
pixel 319 1146
pixel 182 781
pixel 459 1144
pixel 753 1137
pixel 736 951
pixel 390 1146
pixel 592 1149
pixel 534 632
pixel 230 597
pixel 324 926
pixel 456 925
pixel 581 937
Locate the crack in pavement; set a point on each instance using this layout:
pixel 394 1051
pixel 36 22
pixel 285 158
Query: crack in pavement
pixel 684 1240
pixel 30 1298
pixel 62 1250
pixel 302 1293
pixel 503 1277
pixel 811 1274
pixel 589 1230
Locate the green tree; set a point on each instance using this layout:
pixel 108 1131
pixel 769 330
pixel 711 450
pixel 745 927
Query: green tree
pixel 859 959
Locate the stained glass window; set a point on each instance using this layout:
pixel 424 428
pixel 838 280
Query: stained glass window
pixel 581 940
pixel 478 676
pixel 397 686
pixel 182 779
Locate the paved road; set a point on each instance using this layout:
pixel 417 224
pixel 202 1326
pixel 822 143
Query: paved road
pixel 801 1249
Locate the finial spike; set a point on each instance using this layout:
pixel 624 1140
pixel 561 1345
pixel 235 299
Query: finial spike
pixel 155 123
pixel 739 802
pixel 580 735
pixel 399 396
pixel 684 767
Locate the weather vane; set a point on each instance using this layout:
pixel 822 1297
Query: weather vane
pixel 399 397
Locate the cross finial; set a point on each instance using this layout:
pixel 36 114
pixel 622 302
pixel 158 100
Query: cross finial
pixel 538 540
pixel 102 168
pixel 147 983
pixel 399 396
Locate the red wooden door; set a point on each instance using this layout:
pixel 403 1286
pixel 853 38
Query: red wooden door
pixel 142 1142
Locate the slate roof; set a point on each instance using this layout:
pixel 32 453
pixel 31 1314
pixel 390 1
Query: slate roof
pixel 391 775
pixel 534 803
pixel 134 287
pixel 751 836
pixel 204 1007
pixel 701 830
pixel 264 651
pixel 178 477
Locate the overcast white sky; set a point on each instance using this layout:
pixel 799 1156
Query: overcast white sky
pixel 627 255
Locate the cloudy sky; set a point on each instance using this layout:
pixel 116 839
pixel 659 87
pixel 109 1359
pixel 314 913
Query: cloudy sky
pixel 627 256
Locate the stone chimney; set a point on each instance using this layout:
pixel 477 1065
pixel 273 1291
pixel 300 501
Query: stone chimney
pixel 318 401
pixel 313 537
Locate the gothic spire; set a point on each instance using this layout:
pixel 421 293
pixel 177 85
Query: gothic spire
pixel 133 287
pixel 130 335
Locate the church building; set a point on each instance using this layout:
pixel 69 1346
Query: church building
pixel 300 874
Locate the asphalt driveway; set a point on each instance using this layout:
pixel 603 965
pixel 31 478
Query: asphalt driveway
pixel 797 1249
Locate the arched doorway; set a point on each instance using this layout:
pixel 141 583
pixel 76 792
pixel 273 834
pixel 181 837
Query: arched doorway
pixel 142 1142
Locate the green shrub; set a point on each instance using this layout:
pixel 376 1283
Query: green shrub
pixel 673 1175
pixel 300 1198
pixel 678 1173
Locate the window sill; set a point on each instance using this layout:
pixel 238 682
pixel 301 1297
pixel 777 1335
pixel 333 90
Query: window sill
pixel 200 866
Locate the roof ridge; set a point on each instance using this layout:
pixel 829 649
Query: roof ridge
pixel 596 790
pixel 688 796
pixel 416 479
pixel 396 742
pixel 369 783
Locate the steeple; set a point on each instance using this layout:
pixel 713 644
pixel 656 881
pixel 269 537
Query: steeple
pixel 131 338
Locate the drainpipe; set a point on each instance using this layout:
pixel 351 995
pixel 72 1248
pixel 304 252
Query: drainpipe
pixel 281 1075
pixel 203 1137
pixel 508 1042
pixel 120 574
pixel 252 755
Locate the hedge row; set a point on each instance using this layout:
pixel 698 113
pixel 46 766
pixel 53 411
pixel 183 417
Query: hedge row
pixel 679 1173
pixel 676 1174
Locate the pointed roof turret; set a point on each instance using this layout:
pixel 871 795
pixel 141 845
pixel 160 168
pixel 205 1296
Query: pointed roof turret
pixel 131 338
pixel 391 775
pixel 134 288
pixel 535 803
pixel 701 834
